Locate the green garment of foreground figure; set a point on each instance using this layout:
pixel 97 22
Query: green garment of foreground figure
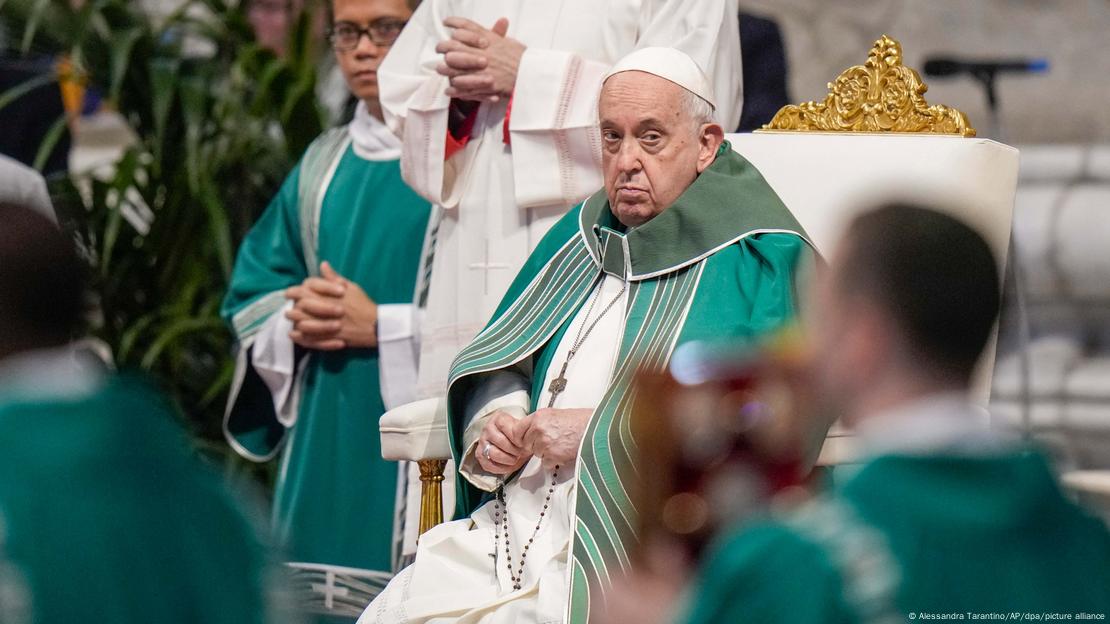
pixel 105 514
pixel 945 519
pixel 321 301
pixel 686 242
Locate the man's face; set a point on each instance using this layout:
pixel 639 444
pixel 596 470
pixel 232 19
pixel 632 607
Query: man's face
pixel 651 148
pixel 360 63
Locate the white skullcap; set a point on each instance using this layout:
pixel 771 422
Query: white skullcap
pixel 669 64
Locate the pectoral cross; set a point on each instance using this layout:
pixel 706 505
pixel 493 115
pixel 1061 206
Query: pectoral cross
pixel 486 265
pixel 558 384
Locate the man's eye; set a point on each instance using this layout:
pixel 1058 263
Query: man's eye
pixel 610 136
pixel 652 137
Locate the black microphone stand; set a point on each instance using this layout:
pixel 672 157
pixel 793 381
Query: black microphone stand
pixel 1014 277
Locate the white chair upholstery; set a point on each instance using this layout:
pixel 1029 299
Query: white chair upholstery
pixel 828 178
pixel 415 431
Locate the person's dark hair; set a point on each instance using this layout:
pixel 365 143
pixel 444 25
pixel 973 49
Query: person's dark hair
pixel 933 274
pixel 41 282
pixel 329 5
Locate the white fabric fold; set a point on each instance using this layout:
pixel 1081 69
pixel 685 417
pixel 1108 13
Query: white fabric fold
pixel 399 350
pixel 273 356
pixel 371 138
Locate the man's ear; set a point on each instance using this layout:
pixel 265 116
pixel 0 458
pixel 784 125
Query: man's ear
pixel 709 141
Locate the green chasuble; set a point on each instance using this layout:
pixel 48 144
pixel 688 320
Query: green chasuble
pixel 913 536
pixel 720 263
pixel 335 496
pixel 106 516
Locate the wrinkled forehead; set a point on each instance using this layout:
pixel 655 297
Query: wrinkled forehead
pixel 638 93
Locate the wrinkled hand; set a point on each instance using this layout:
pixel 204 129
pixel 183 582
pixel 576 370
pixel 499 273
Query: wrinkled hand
pixel 505 435
pixel 554 435
pixel 480 62
pixel 331 312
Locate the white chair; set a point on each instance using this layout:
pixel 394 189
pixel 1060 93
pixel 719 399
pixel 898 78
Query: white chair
pixel 873 138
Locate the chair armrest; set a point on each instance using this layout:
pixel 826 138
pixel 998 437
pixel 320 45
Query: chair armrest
pixel 415 431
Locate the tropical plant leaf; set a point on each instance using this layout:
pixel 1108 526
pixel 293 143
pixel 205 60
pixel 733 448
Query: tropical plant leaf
pixel 174 331
pixel 122 45
pixel 49 142
pixel 38 9
pixel 25 87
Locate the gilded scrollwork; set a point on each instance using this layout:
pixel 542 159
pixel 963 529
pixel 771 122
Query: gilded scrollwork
pixel 882 95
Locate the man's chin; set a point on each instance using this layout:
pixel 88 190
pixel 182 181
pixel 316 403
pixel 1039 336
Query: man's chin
pixel 633 215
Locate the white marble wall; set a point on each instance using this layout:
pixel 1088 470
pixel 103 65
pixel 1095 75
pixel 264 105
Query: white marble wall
pixel 1069 104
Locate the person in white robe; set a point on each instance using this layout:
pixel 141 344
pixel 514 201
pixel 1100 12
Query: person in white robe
pixel 495 102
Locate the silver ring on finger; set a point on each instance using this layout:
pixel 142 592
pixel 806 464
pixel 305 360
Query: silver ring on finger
pixel 486 451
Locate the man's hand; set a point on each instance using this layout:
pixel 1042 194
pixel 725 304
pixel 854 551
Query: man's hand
pixel 504 436
pixel 555 434
pixel 331 312
pixel 481 63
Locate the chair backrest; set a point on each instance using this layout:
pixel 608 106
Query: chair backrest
pixel 874 138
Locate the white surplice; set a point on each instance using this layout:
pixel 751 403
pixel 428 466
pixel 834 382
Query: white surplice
pixel 498 200
pixel 455 577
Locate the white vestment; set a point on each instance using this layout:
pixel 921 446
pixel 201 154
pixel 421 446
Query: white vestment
pixel 454 577
pixel 498 200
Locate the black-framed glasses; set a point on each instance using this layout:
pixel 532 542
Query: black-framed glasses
pixel 344 36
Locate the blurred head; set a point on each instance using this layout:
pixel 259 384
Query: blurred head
pixel 906 309
pixel 271 21
pixel 361 33
pixel 656 138
pixel 41 287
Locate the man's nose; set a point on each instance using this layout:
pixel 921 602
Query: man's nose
pixel 366 47
pixel 628 159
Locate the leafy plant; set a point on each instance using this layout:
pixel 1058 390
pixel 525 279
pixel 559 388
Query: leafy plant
pixel 219 122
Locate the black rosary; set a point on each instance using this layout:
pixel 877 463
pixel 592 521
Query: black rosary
pixel 500 507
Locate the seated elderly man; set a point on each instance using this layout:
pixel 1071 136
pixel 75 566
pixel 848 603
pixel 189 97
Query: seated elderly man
pixel 686 242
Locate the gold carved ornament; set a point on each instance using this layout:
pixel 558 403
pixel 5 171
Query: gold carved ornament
pixel 882 95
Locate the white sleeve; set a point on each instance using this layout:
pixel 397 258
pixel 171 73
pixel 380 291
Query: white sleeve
pixel 503 390
pixel 415 106
pixel 709 31
pixel 399 349
pixel 273 357
pixel 553 128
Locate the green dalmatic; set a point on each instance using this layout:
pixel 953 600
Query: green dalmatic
pixel 335 496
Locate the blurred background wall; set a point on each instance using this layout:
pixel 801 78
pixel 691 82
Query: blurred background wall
pixel 1067 104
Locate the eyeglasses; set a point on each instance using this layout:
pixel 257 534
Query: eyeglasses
pixel 346 36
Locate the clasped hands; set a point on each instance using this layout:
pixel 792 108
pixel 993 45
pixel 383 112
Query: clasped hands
pixel 551 434
pixel 331 312
pixel 480 63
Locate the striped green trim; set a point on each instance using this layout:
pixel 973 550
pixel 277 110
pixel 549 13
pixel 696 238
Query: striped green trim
pixel 605 516
pixel 317 169
pixel 557 292
pixel 247 321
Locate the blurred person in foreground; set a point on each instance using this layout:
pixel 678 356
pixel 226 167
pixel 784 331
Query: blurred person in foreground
pixel 105 515
pixel 321 302
pixel 944 515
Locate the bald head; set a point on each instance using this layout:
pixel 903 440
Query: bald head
pixel 656 138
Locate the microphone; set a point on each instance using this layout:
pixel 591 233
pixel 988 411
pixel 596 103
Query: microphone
pixel 947 66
